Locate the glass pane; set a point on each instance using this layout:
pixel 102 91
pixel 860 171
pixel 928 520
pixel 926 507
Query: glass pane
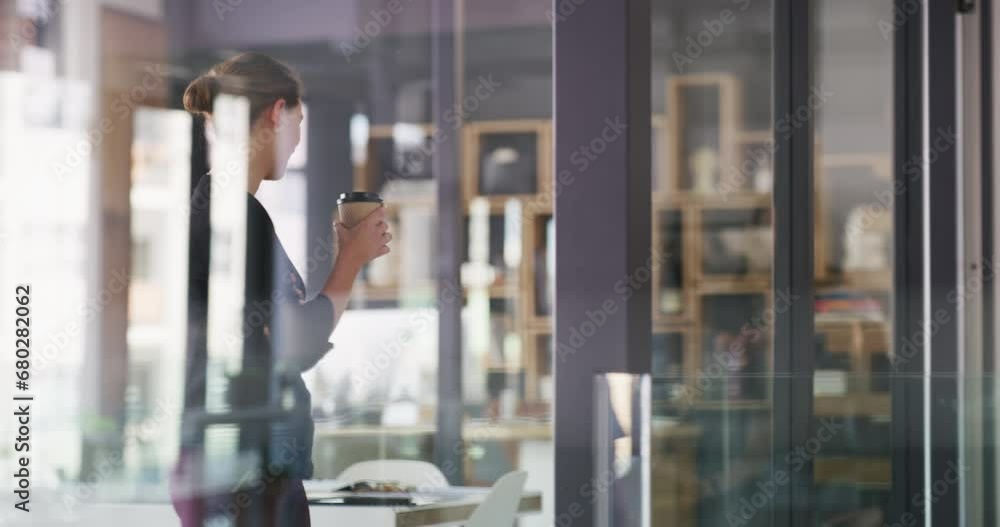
pixel 508 260
pixel 854 247
pixel 712 302
pixel 180 262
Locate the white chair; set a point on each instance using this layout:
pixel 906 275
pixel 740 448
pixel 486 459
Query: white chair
pixel 419 474
pixel 499 509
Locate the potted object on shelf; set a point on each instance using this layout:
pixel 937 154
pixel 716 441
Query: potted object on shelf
pixel 508 164
pixel 704 164
pixel 867 239
pixel 763 179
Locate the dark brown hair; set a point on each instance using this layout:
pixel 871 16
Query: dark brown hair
pixel 261 79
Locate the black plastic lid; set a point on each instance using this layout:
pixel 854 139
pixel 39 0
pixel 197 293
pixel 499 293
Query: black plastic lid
pixel 359 197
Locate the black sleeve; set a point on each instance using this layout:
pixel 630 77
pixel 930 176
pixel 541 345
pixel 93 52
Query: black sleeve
pixel 298 329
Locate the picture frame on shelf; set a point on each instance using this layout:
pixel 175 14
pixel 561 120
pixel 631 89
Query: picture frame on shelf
pixel 398 162
pixel 705 114
pixel 503 159
pixel 736 245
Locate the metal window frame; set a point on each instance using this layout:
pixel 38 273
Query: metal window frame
pixel 794 359
pixel 943 236
pixel 906 386
pixel 987 188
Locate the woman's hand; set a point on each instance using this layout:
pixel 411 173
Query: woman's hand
pixel 363 242
pixel 356 246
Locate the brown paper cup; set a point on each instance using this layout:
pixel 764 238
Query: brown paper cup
pixel 355 206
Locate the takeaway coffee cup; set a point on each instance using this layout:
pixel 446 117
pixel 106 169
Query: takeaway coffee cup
pixel 354 206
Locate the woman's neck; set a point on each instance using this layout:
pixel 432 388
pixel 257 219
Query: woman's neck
pixel 258 172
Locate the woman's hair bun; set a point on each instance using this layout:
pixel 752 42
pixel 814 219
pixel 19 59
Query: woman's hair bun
pixel 200 94
pixel 260 79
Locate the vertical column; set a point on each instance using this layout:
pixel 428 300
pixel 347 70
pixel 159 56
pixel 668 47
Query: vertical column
pixel 329 171
pixel 907 438
pixel 794 356
pixel 945 235
pixel 602 221
pixel 988 20
pixel 445 57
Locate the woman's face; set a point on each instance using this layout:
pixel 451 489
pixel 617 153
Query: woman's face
pixel 288 133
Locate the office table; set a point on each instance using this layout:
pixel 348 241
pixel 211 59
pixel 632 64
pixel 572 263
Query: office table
pixel 452 505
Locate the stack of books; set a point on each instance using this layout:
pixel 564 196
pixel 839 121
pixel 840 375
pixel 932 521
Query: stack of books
pixel 848 306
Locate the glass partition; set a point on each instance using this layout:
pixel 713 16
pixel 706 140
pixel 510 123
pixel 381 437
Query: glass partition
pixel 623 430
pixel 713 468
pixel 713 305
pixel 854 189
pixel 164 359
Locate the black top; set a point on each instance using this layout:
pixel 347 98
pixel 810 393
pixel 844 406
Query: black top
pixel 284 334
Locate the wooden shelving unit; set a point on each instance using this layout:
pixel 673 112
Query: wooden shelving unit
pixel 686 290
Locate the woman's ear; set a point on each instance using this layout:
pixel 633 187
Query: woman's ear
pixel 275 113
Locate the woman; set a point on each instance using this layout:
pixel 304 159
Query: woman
pixel 284 333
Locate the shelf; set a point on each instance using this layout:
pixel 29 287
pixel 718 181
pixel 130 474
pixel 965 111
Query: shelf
pixel 498 204
pixel 868 404
pixel 833 325
pixel 728 284
pixel 541 323
pixel 720 405
pixel 868 471
pixel 385 131
pixel 879 280
pixel 851 405
pixel 735 200
pixel 671 323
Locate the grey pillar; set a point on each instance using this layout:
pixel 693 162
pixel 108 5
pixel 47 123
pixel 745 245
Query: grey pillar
pixel 329 172
pixel 448 445
pixel 602 208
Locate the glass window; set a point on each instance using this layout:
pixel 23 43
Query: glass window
pixel 177 245
pixel 713 308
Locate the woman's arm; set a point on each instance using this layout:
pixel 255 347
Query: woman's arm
pixel 356 246
pixel 305 327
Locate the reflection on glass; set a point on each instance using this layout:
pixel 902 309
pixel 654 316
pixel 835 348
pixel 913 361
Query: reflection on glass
pixel 854 256
pixel 158 289
pixel 712 303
